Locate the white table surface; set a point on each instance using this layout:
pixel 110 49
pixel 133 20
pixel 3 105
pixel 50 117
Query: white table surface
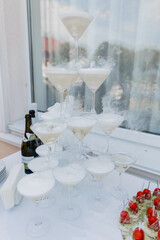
pixel 90 226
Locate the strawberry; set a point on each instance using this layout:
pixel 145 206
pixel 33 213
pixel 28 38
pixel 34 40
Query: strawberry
pixel 140 197
pixel 147 194
pixel 158 235
pixel 156 192
pixel 153 223
pixel 133 206
pixel 138 234
pixel 124 217
pixel 152 219
pixel 157 203
pixel 150 212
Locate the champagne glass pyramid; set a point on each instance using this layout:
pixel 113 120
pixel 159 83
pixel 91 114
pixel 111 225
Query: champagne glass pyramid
pixel 108 123
pixel 76 22
pixel 62 79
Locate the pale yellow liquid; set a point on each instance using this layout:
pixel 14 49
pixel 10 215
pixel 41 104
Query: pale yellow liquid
pixel 76 25
pixel 94 77
pixel 48 133
pixel 61 80
pixel 81 127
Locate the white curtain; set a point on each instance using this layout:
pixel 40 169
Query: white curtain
pixel 128 32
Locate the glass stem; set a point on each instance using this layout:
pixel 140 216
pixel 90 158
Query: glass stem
pixel 120 181
pixel 97 197
pixel 107 138
pixel 93 103
pixel 70 205
pixel 49 156
pixel 61 100
pixel 80 149
pixel 76 51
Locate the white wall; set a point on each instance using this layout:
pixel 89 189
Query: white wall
pixel 14 61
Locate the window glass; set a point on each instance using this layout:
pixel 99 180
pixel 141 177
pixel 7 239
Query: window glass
pixel 127 32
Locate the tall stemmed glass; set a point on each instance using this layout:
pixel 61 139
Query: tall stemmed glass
pixel 70 176
pixel 48 132
pixel 80 127
pixel 99 167
pixel 108 123
pixel 62 79
pixel 94 77
pixel 35 187
pixel 76 22
pixel 122 162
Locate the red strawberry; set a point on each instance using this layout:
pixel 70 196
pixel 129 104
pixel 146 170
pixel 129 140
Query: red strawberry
pixel 140 197
pixel 153 223
pixel 158 235
pixel 150 212
pixel 157 203
pixel 133 206
pixel 124 217
pixel 138 234
pixel 147 194
pixel 156 192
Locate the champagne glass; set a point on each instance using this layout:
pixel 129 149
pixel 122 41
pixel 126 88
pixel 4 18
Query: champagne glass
pixel 62 79
pixel 99 167
pixel 35 187
pixel 108 123
pixel 76 22
pixel 80 127
pixel 70 176
pixel 48 132
pixel 94 77
pixel 122 162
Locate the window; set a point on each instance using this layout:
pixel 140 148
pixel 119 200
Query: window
pixel 126 31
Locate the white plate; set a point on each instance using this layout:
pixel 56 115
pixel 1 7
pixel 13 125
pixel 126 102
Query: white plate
pixel 36 185
pixel 41 164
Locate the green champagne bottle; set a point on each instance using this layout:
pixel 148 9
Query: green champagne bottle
pixel 29 144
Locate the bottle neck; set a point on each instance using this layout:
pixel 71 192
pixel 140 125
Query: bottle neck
pixel 28 124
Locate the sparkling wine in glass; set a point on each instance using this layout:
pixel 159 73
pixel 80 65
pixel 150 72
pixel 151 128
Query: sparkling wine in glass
pixel 76 22
pixel 35 187
pixel 94 77
pixel 62 79
pixel 70 176
pixel 80 127
pixel 122 162
pixel 108 123
pixel 99 167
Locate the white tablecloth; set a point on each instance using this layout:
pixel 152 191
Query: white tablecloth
pixel 90 226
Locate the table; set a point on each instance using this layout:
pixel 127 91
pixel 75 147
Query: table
pixel 90 226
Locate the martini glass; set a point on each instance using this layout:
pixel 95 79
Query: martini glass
pixel 99 167
pixel 35 187
pixel 62 79
pixel 70 176
pixel 108 123
pixel 122 162
pixel 76 22
pixel 94 77
pixel 80 127
pixel 48 132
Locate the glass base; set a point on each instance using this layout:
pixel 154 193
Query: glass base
pixel 70 213
pixel 119 193
pixel 98 204
pixel 38 227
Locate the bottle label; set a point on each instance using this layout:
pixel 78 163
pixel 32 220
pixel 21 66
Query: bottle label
pixel 27 159
pixel 29 137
